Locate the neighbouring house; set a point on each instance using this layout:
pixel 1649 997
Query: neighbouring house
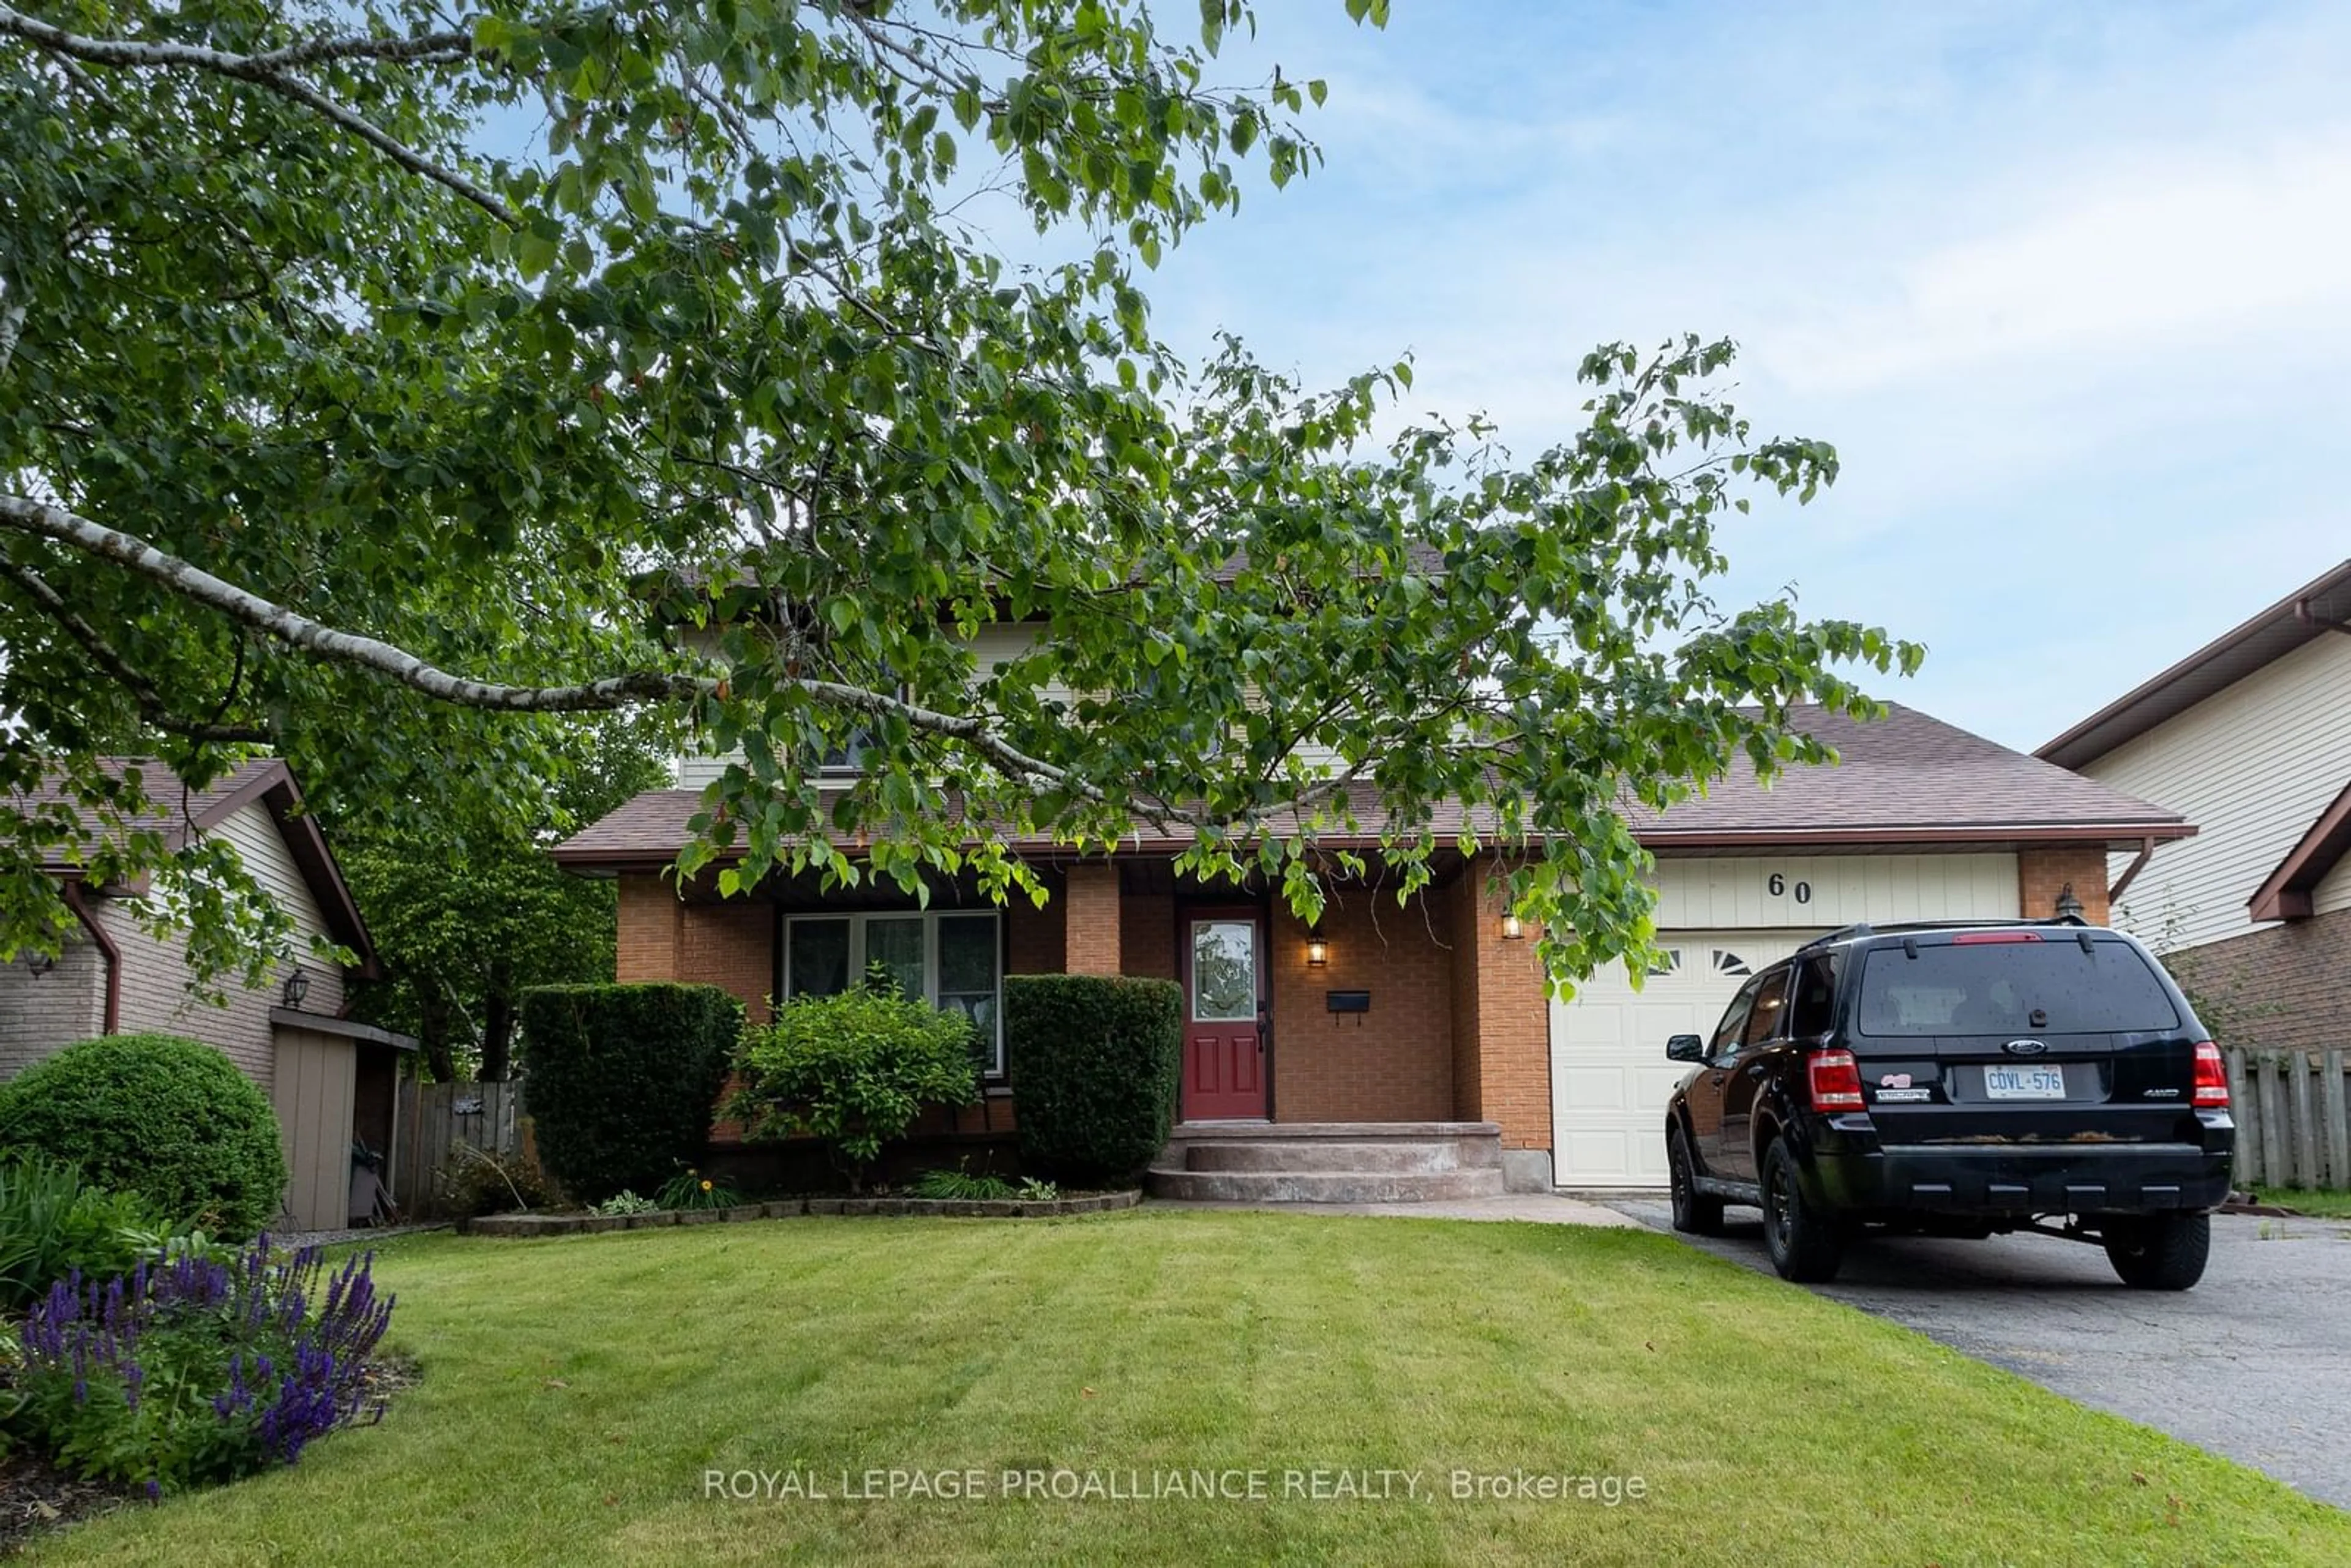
pixel 1427 1033
pixel 2250 735
pixel 332 1081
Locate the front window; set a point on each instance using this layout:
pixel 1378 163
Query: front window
pixel 1224 970
pixel 949 960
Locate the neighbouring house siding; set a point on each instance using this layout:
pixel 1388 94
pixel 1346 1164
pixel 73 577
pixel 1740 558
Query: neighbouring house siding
pixel 40 1012
pixel 2334 893
pixel 2280 988
pixel 155 995
pixel 2252 767
pixel 1394 1063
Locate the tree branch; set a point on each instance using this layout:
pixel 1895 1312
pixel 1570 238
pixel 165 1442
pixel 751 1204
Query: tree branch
pixel 376 657
pixel 267 72
pixel 152 706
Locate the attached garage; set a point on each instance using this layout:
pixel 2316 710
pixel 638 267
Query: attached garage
pixel 1720 921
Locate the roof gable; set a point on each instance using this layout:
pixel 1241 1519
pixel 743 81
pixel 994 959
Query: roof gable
pixel 2310 611
pixel 179 813
pixel 2286 893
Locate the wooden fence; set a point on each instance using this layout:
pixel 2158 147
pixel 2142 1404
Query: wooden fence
pixel 2292 1128
pixel 436 1117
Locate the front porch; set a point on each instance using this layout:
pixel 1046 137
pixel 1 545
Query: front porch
pixel 1330 1162
pixel 1391 1052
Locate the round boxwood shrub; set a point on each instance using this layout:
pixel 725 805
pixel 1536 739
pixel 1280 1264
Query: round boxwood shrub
pixel 170 1119
pixel 1094 1062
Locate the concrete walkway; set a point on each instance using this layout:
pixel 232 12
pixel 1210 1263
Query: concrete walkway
pixel 1541 1208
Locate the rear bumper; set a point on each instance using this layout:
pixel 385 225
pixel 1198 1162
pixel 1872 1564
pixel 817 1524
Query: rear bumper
pixel 2018 1182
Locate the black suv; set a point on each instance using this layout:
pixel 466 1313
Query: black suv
pixel 1958 1079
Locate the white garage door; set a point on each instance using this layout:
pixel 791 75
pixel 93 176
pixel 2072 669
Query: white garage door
pixel 1610 1078
pixel 1722 920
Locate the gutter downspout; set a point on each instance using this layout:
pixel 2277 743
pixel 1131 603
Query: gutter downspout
pixel 2130 872
pixel 107 949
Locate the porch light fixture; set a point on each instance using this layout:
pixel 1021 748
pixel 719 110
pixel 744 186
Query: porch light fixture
pixel 40 963
pixel 1317 950
pixel 2068 906
pixel 298 985
pixel 1513 929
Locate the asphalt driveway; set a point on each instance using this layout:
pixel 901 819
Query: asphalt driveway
pixel 2254 1362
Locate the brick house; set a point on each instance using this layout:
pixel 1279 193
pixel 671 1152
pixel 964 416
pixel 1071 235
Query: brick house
pixel 2250 735
pixel 330 1080
pixel 1420 1043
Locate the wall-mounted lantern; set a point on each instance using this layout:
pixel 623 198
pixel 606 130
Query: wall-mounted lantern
pixel 1513 929
pixel 298 985
pixel 1318 948
pixel 2068 906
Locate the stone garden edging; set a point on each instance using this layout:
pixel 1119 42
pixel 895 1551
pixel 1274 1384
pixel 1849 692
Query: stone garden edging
pixel 512 1225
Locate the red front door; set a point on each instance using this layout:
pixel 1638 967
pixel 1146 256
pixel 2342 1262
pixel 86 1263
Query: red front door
pixel 1224 1005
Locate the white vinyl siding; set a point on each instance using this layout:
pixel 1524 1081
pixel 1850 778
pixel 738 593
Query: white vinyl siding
pixel 2251 766
pixel 2334 893
pixel 155 997
pixel 1829 891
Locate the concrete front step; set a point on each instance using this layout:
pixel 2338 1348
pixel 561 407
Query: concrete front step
pixel 1322 1186
pixel 1330 1162
pixel 1300 1154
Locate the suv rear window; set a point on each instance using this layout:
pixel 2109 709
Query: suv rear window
pixel 2000 988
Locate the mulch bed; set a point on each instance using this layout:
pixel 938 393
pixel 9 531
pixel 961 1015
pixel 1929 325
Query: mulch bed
pixel 512 1225
pixel 36 1496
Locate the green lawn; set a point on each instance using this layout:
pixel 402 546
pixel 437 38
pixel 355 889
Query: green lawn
pixel 2320 1205
pixel 575 1392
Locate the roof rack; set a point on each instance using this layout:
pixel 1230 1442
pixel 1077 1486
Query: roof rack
pixel 1862 929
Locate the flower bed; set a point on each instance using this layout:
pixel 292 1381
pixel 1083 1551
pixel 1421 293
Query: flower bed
pixel 792 1207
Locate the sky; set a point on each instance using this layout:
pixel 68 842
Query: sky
pixel 2068 286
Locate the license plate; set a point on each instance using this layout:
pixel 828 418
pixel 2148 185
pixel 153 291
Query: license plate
pixel 2025 1082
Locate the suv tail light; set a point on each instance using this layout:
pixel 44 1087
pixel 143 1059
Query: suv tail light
pixel 1836 1081
pixel 2212 1079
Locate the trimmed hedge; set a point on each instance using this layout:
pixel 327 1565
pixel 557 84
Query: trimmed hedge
pixel 170 1119
pixel 1094 1062
pixel 621 1081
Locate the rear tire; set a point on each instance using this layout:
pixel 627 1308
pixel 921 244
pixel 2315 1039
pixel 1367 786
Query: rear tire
pixel 1695 1214
pixel 2164 1252
pixel 1804 1243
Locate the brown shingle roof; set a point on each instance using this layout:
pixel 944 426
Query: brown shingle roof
pixel 1907 779
pixel 179 812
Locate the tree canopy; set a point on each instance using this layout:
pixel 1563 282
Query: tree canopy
pixel 383 383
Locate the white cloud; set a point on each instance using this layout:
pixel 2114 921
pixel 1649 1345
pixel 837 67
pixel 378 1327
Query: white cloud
pixel 2169 254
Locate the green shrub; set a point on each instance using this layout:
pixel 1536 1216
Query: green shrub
pixel 170 1119
pixel 959 1184
pixel 53 1222
pixel 691 1189
pixel 478 1181
pixel 1094 1062
pixel 854 1070
pixel 625 1202
pixel 620 1080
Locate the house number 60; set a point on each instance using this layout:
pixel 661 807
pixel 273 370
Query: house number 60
pixel 1779 886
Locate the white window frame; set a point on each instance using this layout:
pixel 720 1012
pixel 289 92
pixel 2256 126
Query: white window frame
pixel 858 920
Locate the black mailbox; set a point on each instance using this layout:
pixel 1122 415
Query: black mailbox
pixel 1348 1001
